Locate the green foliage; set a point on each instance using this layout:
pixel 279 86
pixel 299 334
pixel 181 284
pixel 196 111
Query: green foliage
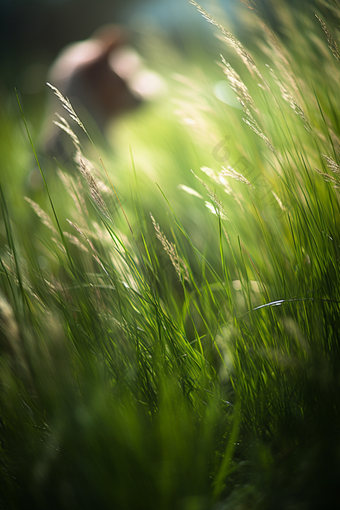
pixel 188 359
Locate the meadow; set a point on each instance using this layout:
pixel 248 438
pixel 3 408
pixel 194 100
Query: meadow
pixel 169 311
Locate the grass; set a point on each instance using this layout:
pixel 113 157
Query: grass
pixel 187 359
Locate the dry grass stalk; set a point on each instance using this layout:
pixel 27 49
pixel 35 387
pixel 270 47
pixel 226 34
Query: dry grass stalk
pixel 287 96
pixel 64 125
pixel 74 240
pixel 95 253
pixel 278 200
pixel 10 265
pixel 68 107
pixel 249 119
pixel 217 178
pixel 329 178
pixel 238 86
pixel 332 165
pixel 230 172
pixel 331 43
pixel 188 190
pixel 250 4
pixel 216 209
pixel 280 57
pixel 60 245
pixel 45 219
pixel 70 187
pixel 213 197
pixel 54 285
pixel 84 165
pixel 220 179
pixel 232 41
pixel 171 250
pixel 78 229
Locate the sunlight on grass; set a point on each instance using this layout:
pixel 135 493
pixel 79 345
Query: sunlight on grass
pixel 169 318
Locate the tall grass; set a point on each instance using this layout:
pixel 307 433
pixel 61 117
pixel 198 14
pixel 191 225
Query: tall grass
pixel 186 359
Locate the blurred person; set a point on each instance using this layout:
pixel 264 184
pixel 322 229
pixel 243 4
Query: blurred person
pixel 103 78
pixel 90 74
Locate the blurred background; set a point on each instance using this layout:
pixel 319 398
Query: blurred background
pixel 174 41
pixel 32 33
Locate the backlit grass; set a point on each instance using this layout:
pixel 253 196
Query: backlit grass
pixel 187 358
